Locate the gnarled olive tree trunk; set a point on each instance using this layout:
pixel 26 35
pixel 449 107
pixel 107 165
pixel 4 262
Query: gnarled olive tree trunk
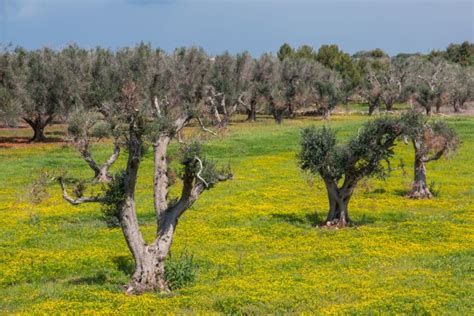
pixel 420 188
pixel 38 124
pixel 338 214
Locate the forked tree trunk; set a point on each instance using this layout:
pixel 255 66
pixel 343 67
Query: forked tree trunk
pixel 101 172
pixel 38 125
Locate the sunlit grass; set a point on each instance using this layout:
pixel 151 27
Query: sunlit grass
pixel 253 237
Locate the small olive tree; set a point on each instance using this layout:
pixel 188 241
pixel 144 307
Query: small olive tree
pixel 342 166
pixel 431 141
pixel 460 88
pixel 429 82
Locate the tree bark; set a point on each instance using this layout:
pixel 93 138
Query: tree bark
pixel 420 189
pixel 149 274
pixel 161 181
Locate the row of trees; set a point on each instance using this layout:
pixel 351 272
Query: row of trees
pixel 39 87
pixel 368 154
pixel 143 98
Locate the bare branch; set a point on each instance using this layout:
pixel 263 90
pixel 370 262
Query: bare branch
pixel 204 127
pixel 157 106
pixel 198 175
pixel 80 200
pixel 241 102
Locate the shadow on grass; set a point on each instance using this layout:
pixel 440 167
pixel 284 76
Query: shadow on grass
pixel 14 140
pixel 99 279
pixel 364 220
pixel 312 219
pixel 124 264
pixel 401 192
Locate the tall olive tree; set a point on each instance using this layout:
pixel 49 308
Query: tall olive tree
pixel 177 83
pixel 342 166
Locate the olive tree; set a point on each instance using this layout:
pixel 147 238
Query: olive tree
pixel 376 82
pixel 269 87
pixel 325 86
pixel 431 141
pixel 342 166
pixel 393 81
pixel 228 85
pixel 429 82
pixel 460 88
pixel 177 83
pixel 43 87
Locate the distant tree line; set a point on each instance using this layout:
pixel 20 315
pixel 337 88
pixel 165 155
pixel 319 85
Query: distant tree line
pixel 41 86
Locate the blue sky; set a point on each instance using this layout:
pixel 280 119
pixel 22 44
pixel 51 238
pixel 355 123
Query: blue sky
pixel 256 26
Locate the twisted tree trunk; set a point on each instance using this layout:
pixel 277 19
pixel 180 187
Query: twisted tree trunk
pixel 38 124
pixel 338 214
pixel 419 189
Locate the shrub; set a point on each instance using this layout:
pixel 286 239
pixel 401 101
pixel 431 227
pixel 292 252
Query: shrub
pixel 181 271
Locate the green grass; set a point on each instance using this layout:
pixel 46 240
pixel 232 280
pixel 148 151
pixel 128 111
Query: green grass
pixel 253 238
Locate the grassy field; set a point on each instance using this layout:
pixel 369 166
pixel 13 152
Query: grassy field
pixel 253 238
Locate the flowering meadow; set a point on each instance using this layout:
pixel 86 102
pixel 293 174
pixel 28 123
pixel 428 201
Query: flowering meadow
pixel 254 238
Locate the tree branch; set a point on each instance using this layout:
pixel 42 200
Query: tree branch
pixel 204 127
pixel 80 200
pixel 198 174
